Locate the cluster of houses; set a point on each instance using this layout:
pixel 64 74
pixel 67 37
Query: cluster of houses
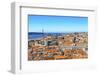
pixel 67 46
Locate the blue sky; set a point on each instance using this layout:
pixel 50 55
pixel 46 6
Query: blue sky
pixel 57 23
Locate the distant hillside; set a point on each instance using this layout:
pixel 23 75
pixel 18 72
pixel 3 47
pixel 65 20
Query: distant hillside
pixel 34 33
